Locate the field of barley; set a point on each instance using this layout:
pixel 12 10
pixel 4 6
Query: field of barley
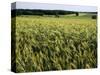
pixel 45 43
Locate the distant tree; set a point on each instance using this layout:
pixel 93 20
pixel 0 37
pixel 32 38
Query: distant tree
pixel 56 13
pixel 77 14
pixel 94 16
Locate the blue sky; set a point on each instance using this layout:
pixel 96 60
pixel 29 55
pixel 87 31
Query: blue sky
pixel 29 5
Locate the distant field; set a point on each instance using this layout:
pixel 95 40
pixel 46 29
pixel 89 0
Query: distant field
pixel 49 43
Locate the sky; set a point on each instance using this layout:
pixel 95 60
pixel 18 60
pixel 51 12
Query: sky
pixel 48 6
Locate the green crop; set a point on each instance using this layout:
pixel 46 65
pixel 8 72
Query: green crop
pixel 50 43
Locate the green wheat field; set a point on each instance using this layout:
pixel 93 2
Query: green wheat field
pixel 46 43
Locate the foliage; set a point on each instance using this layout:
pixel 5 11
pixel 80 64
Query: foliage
pixel 39 12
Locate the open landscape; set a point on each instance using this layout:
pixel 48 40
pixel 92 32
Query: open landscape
pixel 54 42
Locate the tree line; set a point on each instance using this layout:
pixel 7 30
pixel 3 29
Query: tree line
pixel 40 12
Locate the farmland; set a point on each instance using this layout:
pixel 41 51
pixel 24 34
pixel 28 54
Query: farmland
pixel 46 43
